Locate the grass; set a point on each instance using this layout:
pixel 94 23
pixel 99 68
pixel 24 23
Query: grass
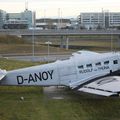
pixel 11 39
pixel 26 49
pixel 89 42
pixel 13 64
pixel 10 44
pixel 18 46
pixel 38 106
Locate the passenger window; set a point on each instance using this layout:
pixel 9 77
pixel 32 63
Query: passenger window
pixel 115 61
pixel 89 65
pixel 98 64
pixel 81 67
pixel 106 62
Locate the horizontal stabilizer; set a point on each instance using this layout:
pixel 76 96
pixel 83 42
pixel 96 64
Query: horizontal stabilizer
pixel 107 86
pixel 2 74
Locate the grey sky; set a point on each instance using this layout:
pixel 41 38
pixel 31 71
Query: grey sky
pixel 49 8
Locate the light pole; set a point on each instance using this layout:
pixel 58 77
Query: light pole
pixel 67 43
pixel 33 42
pixel 33 34
pixel 48 44
pixel 111 41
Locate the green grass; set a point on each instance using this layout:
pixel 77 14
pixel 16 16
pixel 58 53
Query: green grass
pixel 38 106
pixel 10 44
pixel 11 39
pixel 15 45
pixel 13 64
pixel 89 42
pixel 26 49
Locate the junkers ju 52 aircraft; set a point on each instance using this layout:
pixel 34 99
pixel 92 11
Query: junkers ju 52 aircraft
pixel 86 71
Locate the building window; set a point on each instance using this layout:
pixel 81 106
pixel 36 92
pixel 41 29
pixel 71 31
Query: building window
pixel 98 64
pixel 89 65
pixel 80 67
pixel 106 62
pixel 115 61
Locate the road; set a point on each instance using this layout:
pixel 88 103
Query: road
pixel 26 32
pixel 49 58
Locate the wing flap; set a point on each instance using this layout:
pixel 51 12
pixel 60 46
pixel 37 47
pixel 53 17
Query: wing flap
pixel 97 92
pixel 106 86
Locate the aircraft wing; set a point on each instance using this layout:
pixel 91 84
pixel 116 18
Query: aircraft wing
pixel 2 74
pixel 107 86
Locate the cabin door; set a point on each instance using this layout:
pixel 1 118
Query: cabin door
pixel 67 74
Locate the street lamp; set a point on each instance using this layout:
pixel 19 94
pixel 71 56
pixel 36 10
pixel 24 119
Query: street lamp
pixel 48 44
pixel 111 41
pixel 33 34
pixel 33 43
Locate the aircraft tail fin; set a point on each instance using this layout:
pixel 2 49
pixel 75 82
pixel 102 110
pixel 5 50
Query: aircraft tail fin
pixel 2 74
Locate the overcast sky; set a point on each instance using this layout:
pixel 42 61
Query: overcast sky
pixel 68 8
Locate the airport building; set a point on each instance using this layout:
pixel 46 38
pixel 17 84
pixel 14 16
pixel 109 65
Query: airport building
pixel 15 24
pixel 2 18
pixel 114 19
pixel 18 20
pixel 74 23
pixel 48 23
pixel 97 20
pixel 21 20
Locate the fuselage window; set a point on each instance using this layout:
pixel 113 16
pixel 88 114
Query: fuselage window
pixel 89 65
pixel 98 64
pixel 106 62
pixel 81 67
pixel 115 61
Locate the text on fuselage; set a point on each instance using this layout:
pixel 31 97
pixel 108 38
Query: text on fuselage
pixel 35 77
pixel 91 69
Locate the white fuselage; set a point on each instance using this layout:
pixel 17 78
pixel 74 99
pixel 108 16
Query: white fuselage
pixel 78 69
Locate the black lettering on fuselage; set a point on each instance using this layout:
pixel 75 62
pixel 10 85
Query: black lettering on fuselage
pixel 35 77
pixel 91 70
pixel 31 78
pixel 38 76
pixel 20 79
pixel 44 75
pixel 50 73
pixel 85 71
pixel 103 68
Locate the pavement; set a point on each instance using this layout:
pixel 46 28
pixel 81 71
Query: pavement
pixel 49 58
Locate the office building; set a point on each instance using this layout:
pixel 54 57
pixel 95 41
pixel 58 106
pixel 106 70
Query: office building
pixel 48 23
pixel 21 20
pixel 2 18
pixel 97 20
pixel 15 24
pixel 114 19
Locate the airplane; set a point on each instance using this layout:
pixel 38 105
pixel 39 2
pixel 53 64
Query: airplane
pixel 85 71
